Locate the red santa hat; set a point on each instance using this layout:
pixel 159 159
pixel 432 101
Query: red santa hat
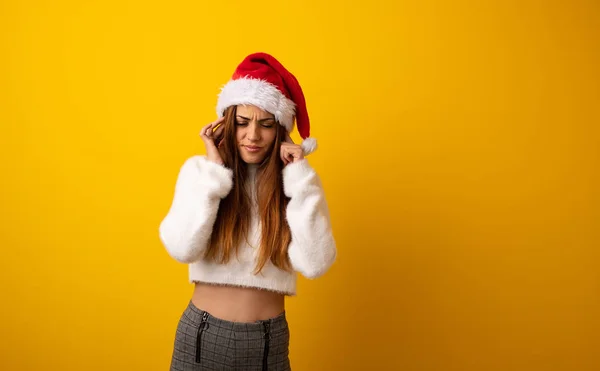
pixel 262 81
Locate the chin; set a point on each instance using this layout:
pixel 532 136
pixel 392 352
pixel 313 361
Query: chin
pixel 256 159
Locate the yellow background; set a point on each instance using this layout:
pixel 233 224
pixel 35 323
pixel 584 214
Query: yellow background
pixel 459 148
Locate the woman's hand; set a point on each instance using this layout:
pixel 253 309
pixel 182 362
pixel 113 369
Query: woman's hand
pixel 212 138
pixel 291 152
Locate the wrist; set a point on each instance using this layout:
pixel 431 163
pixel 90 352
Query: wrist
pixel 215 158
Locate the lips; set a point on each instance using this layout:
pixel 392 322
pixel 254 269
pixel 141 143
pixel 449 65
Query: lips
pixel 252 148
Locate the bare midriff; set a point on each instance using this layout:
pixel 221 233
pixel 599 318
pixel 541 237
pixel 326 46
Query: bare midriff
pixel 237 304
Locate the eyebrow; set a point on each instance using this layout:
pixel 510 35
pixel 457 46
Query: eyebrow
pixel 263 120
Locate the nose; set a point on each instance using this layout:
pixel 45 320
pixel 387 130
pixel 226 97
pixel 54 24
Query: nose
pixel 253 133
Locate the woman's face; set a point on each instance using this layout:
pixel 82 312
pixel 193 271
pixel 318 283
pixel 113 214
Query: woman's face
pixel 255 132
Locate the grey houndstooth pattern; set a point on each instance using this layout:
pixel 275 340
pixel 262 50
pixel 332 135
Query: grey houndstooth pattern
pixel 228 345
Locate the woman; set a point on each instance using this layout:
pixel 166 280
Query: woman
pixel 246 217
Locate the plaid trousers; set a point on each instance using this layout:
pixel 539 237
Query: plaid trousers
pixel 204 342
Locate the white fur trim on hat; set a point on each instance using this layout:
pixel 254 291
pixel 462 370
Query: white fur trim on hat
pixel 258 93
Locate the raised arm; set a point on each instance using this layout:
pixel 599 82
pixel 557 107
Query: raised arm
pixel 312 250
pixel 186 229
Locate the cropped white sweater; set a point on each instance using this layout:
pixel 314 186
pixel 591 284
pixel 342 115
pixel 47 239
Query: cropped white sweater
pixel 186 229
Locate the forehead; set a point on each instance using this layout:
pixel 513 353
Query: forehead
pixel 251 112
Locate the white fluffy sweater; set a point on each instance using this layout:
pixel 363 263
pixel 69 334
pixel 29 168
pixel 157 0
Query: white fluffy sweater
pixel 186 229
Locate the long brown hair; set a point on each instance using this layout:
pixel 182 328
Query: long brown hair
pixel 233 216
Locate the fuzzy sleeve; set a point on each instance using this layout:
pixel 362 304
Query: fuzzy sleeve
pixel 312 250
pixel 200 186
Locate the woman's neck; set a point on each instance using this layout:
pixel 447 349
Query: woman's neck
pixel 251 180
pixel 252 168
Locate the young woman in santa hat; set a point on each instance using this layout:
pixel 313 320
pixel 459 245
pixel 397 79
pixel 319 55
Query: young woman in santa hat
pixel 246 217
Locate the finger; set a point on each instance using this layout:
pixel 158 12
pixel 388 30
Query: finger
pixel 207 131
pixel 292 146
pixel 296 154
pixel 204 129
pixel 285 155
pixel 218 127
pixel 282 155
pixel 212 125
pixel 294 151
pixel 291 153
pixel 219 132
pixel 210 131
